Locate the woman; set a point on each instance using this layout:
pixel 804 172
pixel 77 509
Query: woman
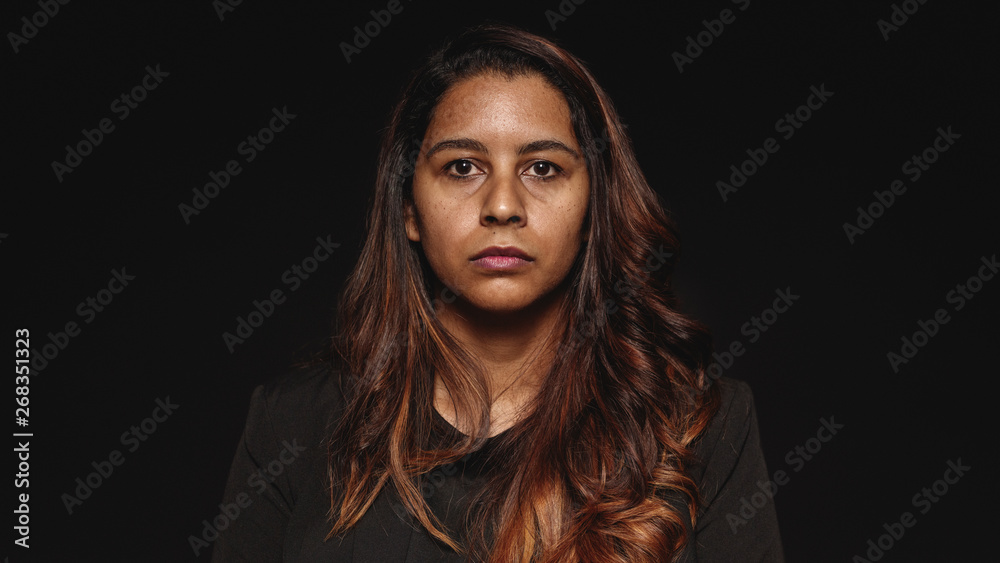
pixel 511 379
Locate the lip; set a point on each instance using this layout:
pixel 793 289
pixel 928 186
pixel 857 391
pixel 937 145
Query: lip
pixel 501 258
pixel 503 251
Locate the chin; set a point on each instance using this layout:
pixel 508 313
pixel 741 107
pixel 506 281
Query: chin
pixel 506 303
pixel 498 305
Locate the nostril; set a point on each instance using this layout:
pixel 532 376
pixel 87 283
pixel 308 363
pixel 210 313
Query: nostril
pixel 513 219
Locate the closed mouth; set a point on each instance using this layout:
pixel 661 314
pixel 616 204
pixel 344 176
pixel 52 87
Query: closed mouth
pixel 512 251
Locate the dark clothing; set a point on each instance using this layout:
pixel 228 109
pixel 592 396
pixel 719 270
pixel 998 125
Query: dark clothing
pixel 278 481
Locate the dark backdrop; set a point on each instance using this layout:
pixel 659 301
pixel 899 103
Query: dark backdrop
pixel 67 232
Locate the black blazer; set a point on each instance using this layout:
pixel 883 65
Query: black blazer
pixel 276 501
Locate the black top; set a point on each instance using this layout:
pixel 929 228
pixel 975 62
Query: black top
pixel 276 501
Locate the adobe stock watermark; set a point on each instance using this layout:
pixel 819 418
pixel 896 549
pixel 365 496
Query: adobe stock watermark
pixel 88 310
pixel 131 438
pixel 249 149
pixel 913 168
pixel 565 9
pixel 899 16
pixel 31 26
pixel 363 35
pixel 224 7
pixel 258 480
pixel 22 514
pixel 957 298
pixel 697 43
pixel 293 278
pixel 754 329
pixel 796 458
pixel 121 107
pixel 786 126
pixel 924 500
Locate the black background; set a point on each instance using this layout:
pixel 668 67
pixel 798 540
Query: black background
pixel 825 357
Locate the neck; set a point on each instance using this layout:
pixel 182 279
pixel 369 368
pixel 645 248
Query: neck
pixel 516 350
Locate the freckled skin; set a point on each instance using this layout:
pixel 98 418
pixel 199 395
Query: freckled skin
pixel 492 193
pixel 502 201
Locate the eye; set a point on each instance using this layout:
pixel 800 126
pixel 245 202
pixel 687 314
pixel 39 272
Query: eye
pixel 544 170
pixel 461 168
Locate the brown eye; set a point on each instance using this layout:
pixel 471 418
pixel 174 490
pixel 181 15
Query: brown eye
pixel 462 168
pixel 544 169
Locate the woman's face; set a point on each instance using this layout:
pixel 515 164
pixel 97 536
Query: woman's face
pixel 500 191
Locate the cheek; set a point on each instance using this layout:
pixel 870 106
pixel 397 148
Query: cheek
pixel 569 223
pixel 443 219
pixel 565 235
pixel 442 235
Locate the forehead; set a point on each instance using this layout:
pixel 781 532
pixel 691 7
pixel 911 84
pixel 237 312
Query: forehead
pixel 496 106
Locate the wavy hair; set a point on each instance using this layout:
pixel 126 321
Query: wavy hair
pixel 600 473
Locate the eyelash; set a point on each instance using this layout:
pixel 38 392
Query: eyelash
pixel 555 168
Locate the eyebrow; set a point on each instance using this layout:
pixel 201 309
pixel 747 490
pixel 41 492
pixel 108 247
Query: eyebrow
pixel 474 145
pixel 546 145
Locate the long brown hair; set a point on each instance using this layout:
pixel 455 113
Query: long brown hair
pixel 599 473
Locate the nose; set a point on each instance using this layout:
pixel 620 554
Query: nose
pixel 503 201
